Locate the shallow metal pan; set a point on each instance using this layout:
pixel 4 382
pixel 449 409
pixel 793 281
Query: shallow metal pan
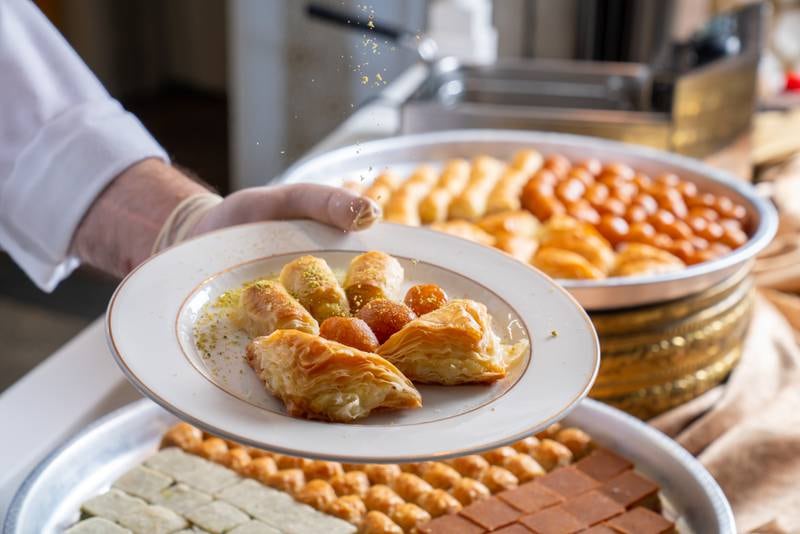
pixel 49 500
pixel 364 161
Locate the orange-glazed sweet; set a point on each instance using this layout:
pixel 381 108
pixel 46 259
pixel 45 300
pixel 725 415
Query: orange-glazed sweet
pixel 385 317
pixel 425 298
pixel 350 331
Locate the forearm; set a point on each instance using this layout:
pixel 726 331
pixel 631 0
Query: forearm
pixel 120 228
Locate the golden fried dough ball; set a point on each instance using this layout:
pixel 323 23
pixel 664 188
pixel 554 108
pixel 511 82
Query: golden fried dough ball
pixel 576 440
pixel 349 508
pixel 499 455
pixel 441 476
pixel 524 467
pixel 385 317
pixel 472 466
pixel 212 449
pixel 382 473
pixel 410 486
pixel 350 483
pixel 350 331
pixel 289 480
pixel 322 469
pixel 382 498
pixel 261 468
pixel 425 298
pixel 290 462
pixel 182 435
pixel 438 502
pixel 526 445
pixel 317 494
pixel 378 523
pixel 497 479
pixel 551 454
pixel 237 459
pixel 469 490
pixel 410 516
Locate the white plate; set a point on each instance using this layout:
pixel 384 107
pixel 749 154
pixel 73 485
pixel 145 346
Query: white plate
pixel 151 330
pixel 49 500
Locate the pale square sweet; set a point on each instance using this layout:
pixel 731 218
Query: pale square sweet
pixel 153 519
pixel 143 482
pixel 255 498
pixel 197 472
pixel 193 530
pixel 96 525
pixel 182 499
pixel 254 527
pixel 302 519
pixel 217 517
pixel 113 505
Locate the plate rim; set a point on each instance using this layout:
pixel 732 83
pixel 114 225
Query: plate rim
pixel 146 391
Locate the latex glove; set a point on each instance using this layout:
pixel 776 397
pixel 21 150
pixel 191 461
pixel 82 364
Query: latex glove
pixel 330 205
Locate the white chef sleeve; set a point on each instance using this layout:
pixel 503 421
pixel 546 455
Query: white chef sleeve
pixel 62 140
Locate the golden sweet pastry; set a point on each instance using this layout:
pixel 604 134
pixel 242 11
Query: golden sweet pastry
pixel 498 479
pixel 499 455
pixel 349 508
pixel 640 259
pixel 526 445
pixel 454 344
pixel 410 517
pixel 469 490
pixel 385 317
pixel 434 207
pixel 521 247
pixel 438 502
pixel 322 469
pixel 551 454
pixel 372 275
pixel 350 331
pixel 465 230
pixel 471 203
pixel 410 487
pixel 379 193
pixel 311 281
pixel 266 306
pixel 403 208
pixel 182 435
pixel 567 233
pixel 289 480
pixel 524 467
pixel 441 476
pixel 505 194
pixel 424 174
pixel 382 473
pixel 576 440
pixel 317 493
pixel 321 379
pixel 376 522
pixel 527 160
pixel 560 263
pixel 472 466
pixel 382 498
pixel 425 298
pixel 518 223
pixel 212 448
pixel 237 459
pixel 261 468
pixel 350 483
pixel 455 176
pixel 389 179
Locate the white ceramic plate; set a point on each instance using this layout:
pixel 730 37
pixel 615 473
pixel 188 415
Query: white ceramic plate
pixel 152 322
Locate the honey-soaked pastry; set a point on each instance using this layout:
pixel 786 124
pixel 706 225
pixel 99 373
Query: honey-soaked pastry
pixel 471 203
pixel 550 432
pixel 582 238
pixel 434 207
pixel 483 166
pixel 424 174
pixel 472 466
pixel 385 317
pixel 551 454
pixel 237 459
pixel 284 461
pixel 410 486
pixel 182 435
pixel 261 468
pixel 311 281
pixel 455 176
pixel 382 498
pixel 505 195
pixel 350 508
pixel 521 247
pixel 321 379
pixel 317 493
pixel 390 179
pixel 560 263
pixel 266 306
pixel 452 345
pixel 527 160
pixel 410 517
pixel 379 193
pixel 417 468
pixel 372 275
pixel 524 467
pixel 382 473
pixel 576 440
pixel 425 298
pixel 465 230
pixel 518 222
pixel 499 455
pixel 498 479
pixel 289 480
pixel 350 331
pixel 376 522
pixel 350 483
pixel 526 445
pixel 641 259
pixel 403 208
pixel 438 502
pixel 212 448
pixel 322 469
pixel 469 490
pixel 441 476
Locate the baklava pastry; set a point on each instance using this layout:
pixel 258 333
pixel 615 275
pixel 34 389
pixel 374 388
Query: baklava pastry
pixel 640 259
pixel 321 379
pixel 527 161
pixel 379 193
pixel 455 175
pixel 434 207
pixel 452 345
pixel 311 281
pixel 372 275
pixel 266 306
pixel 560 263
pixel 403 208
pixel 471 203
pixel 519 246
pixel 389 179
pixel 505 195
pixel 582 238
pixel 516 222
pixel 465 230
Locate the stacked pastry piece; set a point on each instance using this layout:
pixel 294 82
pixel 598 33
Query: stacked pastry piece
pixel 337 352
pixel 599 220
pixel 558 477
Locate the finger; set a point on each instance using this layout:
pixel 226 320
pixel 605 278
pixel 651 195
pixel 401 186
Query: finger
pixel 330 205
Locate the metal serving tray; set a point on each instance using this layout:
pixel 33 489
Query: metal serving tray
pixel 364 161
pixel 49 500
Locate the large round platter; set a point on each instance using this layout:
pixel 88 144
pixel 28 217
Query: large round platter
pixel 49 499
pixel 365 160
pixel 154 316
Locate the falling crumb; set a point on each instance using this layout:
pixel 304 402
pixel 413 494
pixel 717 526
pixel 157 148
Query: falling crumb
pixel 553 333
pixel 370 24
pixel 364 80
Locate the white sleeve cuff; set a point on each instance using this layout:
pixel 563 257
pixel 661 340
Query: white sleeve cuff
pixel 56 178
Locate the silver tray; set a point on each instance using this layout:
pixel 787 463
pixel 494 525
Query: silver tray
pixel 49 499
pixel 364 161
